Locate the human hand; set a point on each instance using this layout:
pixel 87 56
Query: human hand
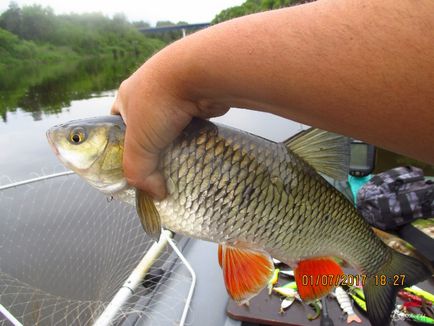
pixel 156 106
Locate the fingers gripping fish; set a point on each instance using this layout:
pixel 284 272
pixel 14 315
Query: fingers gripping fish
pixel 256 198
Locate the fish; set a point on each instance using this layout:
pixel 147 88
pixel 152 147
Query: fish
pixel 256 198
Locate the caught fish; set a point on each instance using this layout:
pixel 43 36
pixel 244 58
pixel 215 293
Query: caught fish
pixel 257 199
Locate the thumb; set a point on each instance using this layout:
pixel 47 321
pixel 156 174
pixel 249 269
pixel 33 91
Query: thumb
pixel 141 168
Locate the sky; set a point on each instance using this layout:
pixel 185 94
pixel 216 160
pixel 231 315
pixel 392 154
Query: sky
pixel 191 11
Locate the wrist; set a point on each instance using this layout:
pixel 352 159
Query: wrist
pixel 180 71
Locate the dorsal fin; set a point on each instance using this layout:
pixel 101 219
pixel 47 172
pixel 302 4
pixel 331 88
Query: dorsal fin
pixel 325 151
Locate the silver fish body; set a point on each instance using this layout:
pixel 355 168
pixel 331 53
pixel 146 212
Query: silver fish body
pixel 256 197
pixel 230 186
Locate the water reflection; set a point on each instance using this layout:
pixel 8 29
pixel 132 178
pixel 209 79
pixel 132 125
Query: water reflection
pixel 25 151
pixel 34 99
pixel 48 89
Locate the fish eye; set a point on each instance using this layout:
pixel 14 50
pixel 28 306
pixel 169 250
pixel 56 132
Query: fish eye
pixel 77 136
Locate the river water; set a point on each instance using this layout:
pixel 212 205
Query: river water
pixel 45 98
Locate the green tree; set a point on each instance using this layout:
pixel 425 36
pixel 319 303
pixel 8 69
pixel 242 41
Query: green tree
pixel 37 23
pixel 86 34
pixel 11 19
pixel 253 6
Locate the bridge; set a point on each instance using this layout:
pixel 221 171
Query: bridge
pixel 183 28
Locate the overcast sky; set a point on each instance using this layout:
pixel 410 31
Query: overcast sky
pixel 192 11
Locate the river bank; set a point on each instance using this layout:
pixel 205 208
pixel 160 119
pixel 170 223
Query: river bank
pixel 47 88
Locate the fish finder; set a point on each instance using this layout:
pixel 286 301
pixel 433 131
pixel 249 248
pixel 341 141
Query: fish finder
pixel 362 161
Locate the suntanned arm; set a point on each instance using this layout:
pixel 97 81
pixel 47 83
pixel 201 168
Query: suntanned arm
pixel 359 68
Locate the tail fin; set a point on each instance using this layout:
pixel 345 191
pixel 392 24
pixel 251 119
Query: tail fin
pixel 381 289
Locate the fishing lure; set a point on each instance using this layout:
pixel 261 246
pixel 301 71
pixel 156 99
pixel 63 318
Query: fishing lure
pixel 286 292
pixel 273 280
pixel 398 314
pixel 290 285
pixel 409 296
pixel 288 273
pixel 360 302
pixel 411 304
pixel 420 318
pixel 276 261
pixel 426 310
pixel 286 303
pixel 359 292
pixel 420 293
pixel 345 304
pixel 290 294
pixel 316 305
pixel 289 291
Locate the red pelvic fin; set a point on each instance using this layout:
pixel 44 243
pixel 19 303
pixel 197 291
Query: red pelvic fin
pixel 316 277
pixel 245 271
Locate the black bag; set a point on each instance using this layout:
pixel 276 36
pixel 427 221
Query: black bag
pixel 396 197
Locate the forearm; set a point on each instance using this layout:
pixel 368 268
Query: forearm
pixel 361 68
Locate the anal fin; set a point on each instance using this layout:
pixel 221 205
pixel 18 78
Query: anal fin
pixel 316 277
pixel 246 271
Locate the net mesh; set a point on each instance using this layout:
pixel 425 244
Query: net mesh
pixel 66 249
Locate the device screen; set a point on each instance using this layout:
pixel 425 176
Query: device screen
pixel 359 156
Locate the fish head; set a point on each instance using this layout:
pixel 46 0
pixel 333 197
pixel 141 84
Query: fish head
pixel 92 148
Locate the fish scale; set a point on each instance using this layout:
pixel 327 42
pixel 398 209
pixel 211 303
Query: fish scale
pixel 237 159
pixel 256 197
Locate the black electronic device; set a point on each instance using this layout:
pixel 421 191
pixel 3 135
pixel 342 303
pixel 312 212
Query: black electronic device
pixel 362 161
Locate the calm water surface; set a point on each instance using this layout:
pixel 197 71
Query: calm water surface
pixel 75 92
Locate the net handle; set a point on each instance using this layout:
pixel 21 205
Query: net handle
pixel 9 316
pixel 136 277
pixel 45 177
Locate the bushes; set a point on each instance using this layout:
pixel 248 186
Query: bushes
pixel 15 51
pixel 36 34
pixel 252 6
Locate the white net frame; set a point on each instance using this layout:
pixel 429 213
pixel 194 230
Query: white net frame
pixel 70 256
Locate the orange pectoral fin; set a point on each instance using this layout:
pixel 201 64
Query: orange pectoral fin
pixel 316 277
pixel 245 271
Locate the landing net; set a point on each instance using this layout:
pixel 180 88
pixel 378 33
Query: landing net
pixel 65 251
